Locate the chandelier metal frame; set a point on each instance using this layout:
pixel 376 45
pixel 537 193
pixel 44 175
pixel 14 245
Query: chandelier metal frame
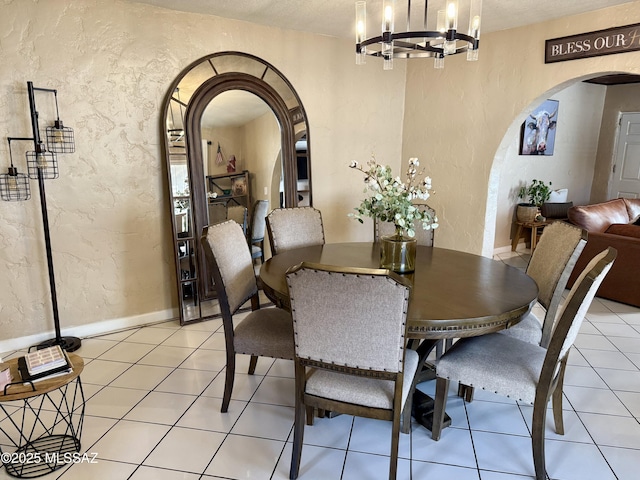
pixel 403 49
pixel 446 40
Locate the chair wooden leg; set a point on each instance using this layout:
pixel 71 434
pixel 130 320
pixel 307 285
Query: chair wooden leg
pixel 252 364
pixel 556 399
pixel 298 423
pixel 442 387
pixel 405 425
pixel 298 434
pixel 395 441
pixel 310 416
pixel 228 383
pixel 466 392
pixel 407 408
pixel 537 435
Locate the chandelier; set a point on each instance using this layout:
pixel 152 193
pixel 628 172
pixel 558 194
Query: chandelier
pixel 437 43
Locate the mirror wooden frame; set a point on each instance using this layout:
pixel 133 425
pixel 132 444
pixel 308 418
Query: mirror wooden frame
pixel 198 84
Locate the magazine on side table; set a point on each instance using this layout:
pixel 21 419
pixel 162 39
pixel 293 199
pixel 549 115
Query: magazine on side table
pixel 44 364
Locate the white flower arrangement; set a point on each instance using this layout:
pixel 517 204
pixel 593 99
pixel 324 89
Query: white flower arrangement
pixel 391 198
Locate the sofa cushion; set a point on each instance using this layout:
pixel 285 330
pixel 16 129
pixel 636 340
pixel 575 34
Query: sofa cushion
pixel 558 196
pixel 625 229
pixel 598 217
pixel 633 208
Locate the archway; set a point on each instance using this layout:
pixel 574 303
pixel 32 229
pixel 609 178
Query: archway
pixel 582 163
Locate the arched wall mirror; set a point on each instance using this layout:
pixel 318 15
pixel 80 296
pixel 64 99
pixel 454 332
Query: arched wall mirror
pixel 226 110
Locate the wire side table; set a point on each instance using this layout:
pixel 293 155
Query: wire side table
pixel 42 422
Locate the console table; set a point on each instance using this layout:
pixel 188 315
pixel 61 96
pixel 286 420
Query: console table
pixel 42 421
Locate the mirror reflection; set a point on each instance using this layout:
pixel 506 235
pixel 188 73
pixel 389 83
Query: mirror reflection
pixel 236 133
pixel 241 144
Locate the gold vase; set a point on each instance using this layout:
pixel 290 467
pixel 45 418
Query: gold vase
pixel 398 253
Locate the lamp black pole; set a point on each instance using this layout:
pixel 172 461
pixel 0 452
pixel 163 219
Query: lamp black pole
pixel 69 344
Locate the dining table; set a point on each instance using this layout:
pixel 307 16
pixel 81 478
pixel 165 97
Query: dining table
pixel 454 294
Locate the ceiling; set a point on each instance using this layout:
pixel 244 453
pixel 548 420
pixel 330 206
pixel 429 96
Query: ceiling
pixel 233 108
pixel 336 18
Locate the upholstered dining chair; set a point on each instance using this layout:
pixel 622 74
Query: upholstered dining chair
pixel 550 265
pixel 265 332
pixel 521 370
pixel 424 237
pixel 350 355
pixel 258 224
pixel 293 228
pixel 217 212
pixel 238 213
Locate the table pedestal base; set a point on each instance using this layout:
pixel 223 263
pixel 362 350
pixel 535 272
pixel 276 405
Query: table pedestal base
pixel 422 404
pixel 422 410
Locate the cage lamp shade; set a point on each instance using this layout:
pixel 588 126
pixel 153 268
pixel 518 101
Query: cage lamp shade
pixel 60 139
pixel 14 186
pixel 42 161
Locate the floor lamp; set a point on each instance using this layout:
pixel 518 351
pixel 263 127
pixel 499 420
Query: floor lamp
pixel 42 165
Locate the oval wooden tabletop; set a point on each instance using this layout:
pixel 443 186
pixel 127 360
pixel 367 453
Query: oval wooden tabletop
pixel 455 294
pixel 24 390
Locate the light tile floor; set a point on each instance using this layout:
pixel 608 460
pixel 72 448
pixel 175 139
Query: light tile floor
pixel 153 397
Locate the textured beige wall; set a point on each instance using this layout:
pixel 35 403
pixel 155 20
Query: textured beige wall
pixel 456 119
pixel 572 164
pixel 231 143
pixel 112 63
pixel 620 98
pixel 262 146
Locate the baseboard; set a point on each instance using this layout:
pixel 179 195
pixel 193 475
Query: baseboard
pixel 91 329
pixel 520 248
pixel 505 249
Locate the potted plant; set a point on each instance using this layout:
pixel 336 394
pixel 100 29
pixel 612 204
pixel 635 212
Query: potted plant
pixel 537 192
pixel 391 200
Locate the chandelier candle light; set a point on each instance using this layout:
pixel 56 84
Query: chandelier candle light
pixel 437 43
pixel 391 200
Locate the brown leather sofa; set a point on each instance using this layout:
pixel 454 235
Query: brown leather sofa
pixel 615 223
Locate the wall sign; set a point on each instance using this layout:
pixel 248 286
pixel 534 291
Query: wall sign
pixel 593 44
